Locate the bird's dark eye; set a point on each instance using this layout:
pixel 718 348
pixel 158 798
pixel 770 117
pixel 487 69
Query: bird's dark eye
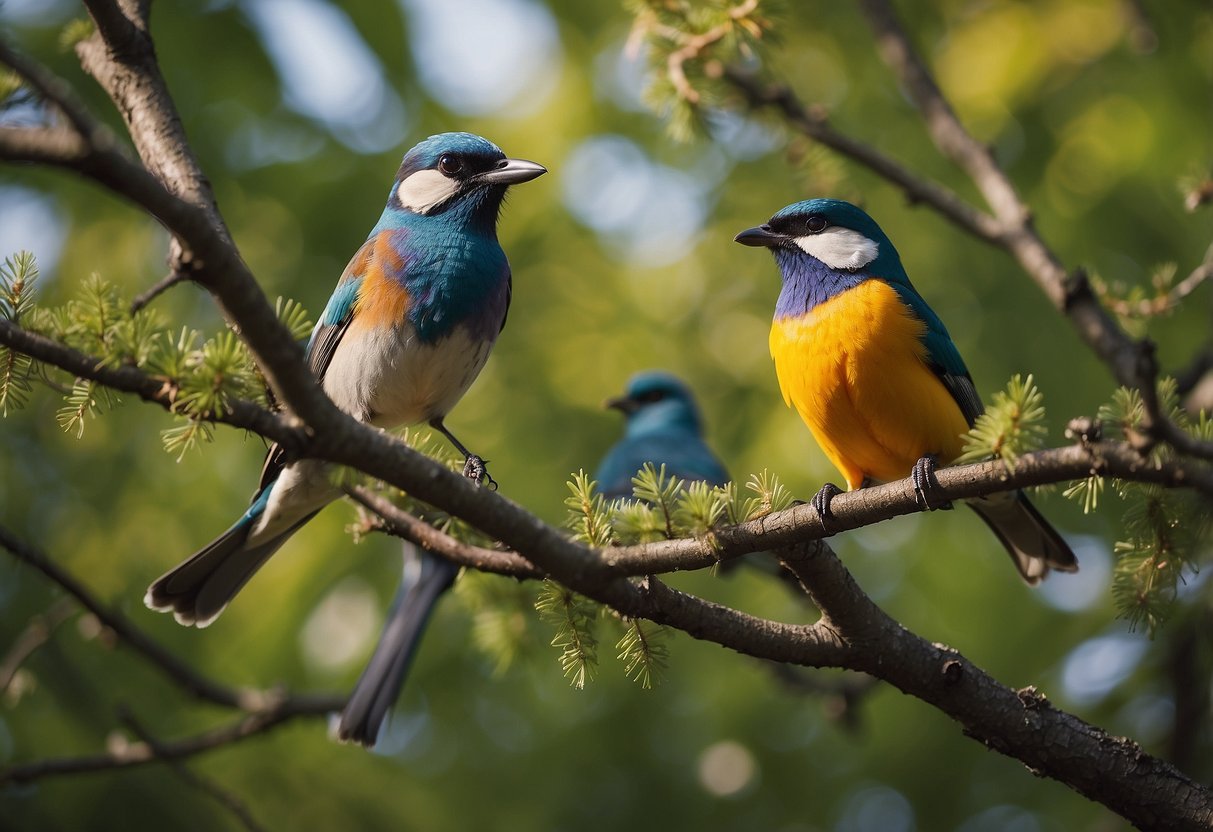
pixel 449 164
pixel 816 224
pixel 650 396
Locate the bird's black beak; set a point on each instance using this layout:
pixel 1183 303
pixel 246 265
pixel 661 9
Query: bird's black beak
pixel 761 236
pixel 623 404
pixel 512 172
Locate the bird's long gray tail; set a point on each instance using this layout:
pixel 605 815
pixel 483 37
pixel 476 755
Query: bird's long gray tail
pixel 425 578
pixel 198 589
pixel 1033 544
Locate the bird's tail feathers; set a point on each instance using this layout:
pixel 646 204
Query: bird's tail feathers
pixel 197 590
pixel 426 577
pixel 1033 544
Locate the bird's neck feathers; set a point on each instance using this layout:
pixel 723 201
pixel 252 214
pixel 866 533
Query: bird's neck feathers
pixel 817 268
pixel 807 282
pixel 669 416
pixel 453 267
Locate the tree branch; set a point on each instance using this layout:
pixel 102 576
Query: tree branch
pixel 206 785
pixel 141 753
pixel 177 671
pixel 813 122
pixel 155 389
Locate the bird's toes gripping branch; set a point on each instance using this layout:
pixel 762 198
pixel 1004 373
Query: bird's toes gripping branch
pixel 821 502
pixel 477 470
pixel 923 475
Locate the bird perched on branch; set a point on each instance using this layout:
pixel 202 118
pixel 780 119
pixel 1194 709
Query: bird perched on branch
pixel 873 372
pixel 663 427
pixel 407 329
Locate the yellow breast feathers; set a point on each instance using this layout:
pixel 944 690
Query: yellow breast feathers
pixel 855 369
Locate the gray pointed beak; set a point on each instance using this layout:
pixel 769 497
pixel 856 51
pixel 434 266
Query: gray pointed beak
pixel 623 404
pixel 512 172
pixel 761 236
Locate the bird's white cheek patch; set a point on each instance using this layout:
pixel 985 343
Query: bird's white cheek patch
pixel 839 248
pixel 424 190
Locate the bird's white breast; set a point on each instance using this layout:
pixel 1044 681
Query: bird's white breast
pixel 388 377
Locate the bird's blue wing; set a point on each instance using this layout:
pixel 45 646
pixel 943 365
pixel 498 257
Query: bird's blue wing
pixel 334 321
pixel 338 312
pixel 942 355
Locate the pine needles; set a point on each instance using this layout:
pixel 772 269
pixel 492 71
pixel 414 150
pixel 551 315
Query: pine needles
pixel 206 373
pixel 1162 529
pixel 1012 426
pixel 662 507
pixel 17 277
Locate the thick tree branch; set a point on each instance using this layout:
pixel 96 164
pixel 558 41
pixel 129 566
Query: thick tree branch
pixel 1022 724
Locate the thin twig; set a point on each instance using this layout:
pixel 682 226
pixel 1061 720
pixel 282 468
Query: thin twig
pixel 176 670
pixel 158 288
pixel 141 753
pixel 692 46
pixel 223 796
pixel 36 633
pixel 1168 301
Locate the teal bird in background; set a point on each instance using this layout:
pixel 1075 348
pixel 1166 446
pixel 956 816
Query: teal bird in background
pixel 663 427
pixel 872 371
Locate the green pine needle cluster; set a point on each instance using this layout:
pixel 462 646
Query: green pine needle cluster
pixel 574 617
pixel 588 517
pixel 644 652
pixel 1135 306
pixel 662 507
pixel 206 373
pixel 700 35
pixel 1012 426
pixel 1162 529
pixel 17 277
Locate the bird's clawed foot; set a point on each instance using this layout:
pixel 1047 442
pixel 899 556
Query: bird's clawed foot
pixel 923 476
pixel 821 502
pixel 477 470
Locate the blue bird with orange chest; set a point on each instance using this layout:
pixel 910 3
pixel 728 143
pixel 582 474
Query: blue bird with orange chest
pixel 873 373
pixel 405 333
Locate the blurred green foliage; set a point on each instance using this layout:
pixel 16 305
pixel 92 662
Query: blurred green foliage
pixel 1099 115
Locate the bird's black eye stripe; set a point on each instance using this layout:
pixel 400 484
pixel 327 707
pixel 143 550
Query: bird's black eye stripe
pixel 816 224
pixel 449 164
pixel 650 396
